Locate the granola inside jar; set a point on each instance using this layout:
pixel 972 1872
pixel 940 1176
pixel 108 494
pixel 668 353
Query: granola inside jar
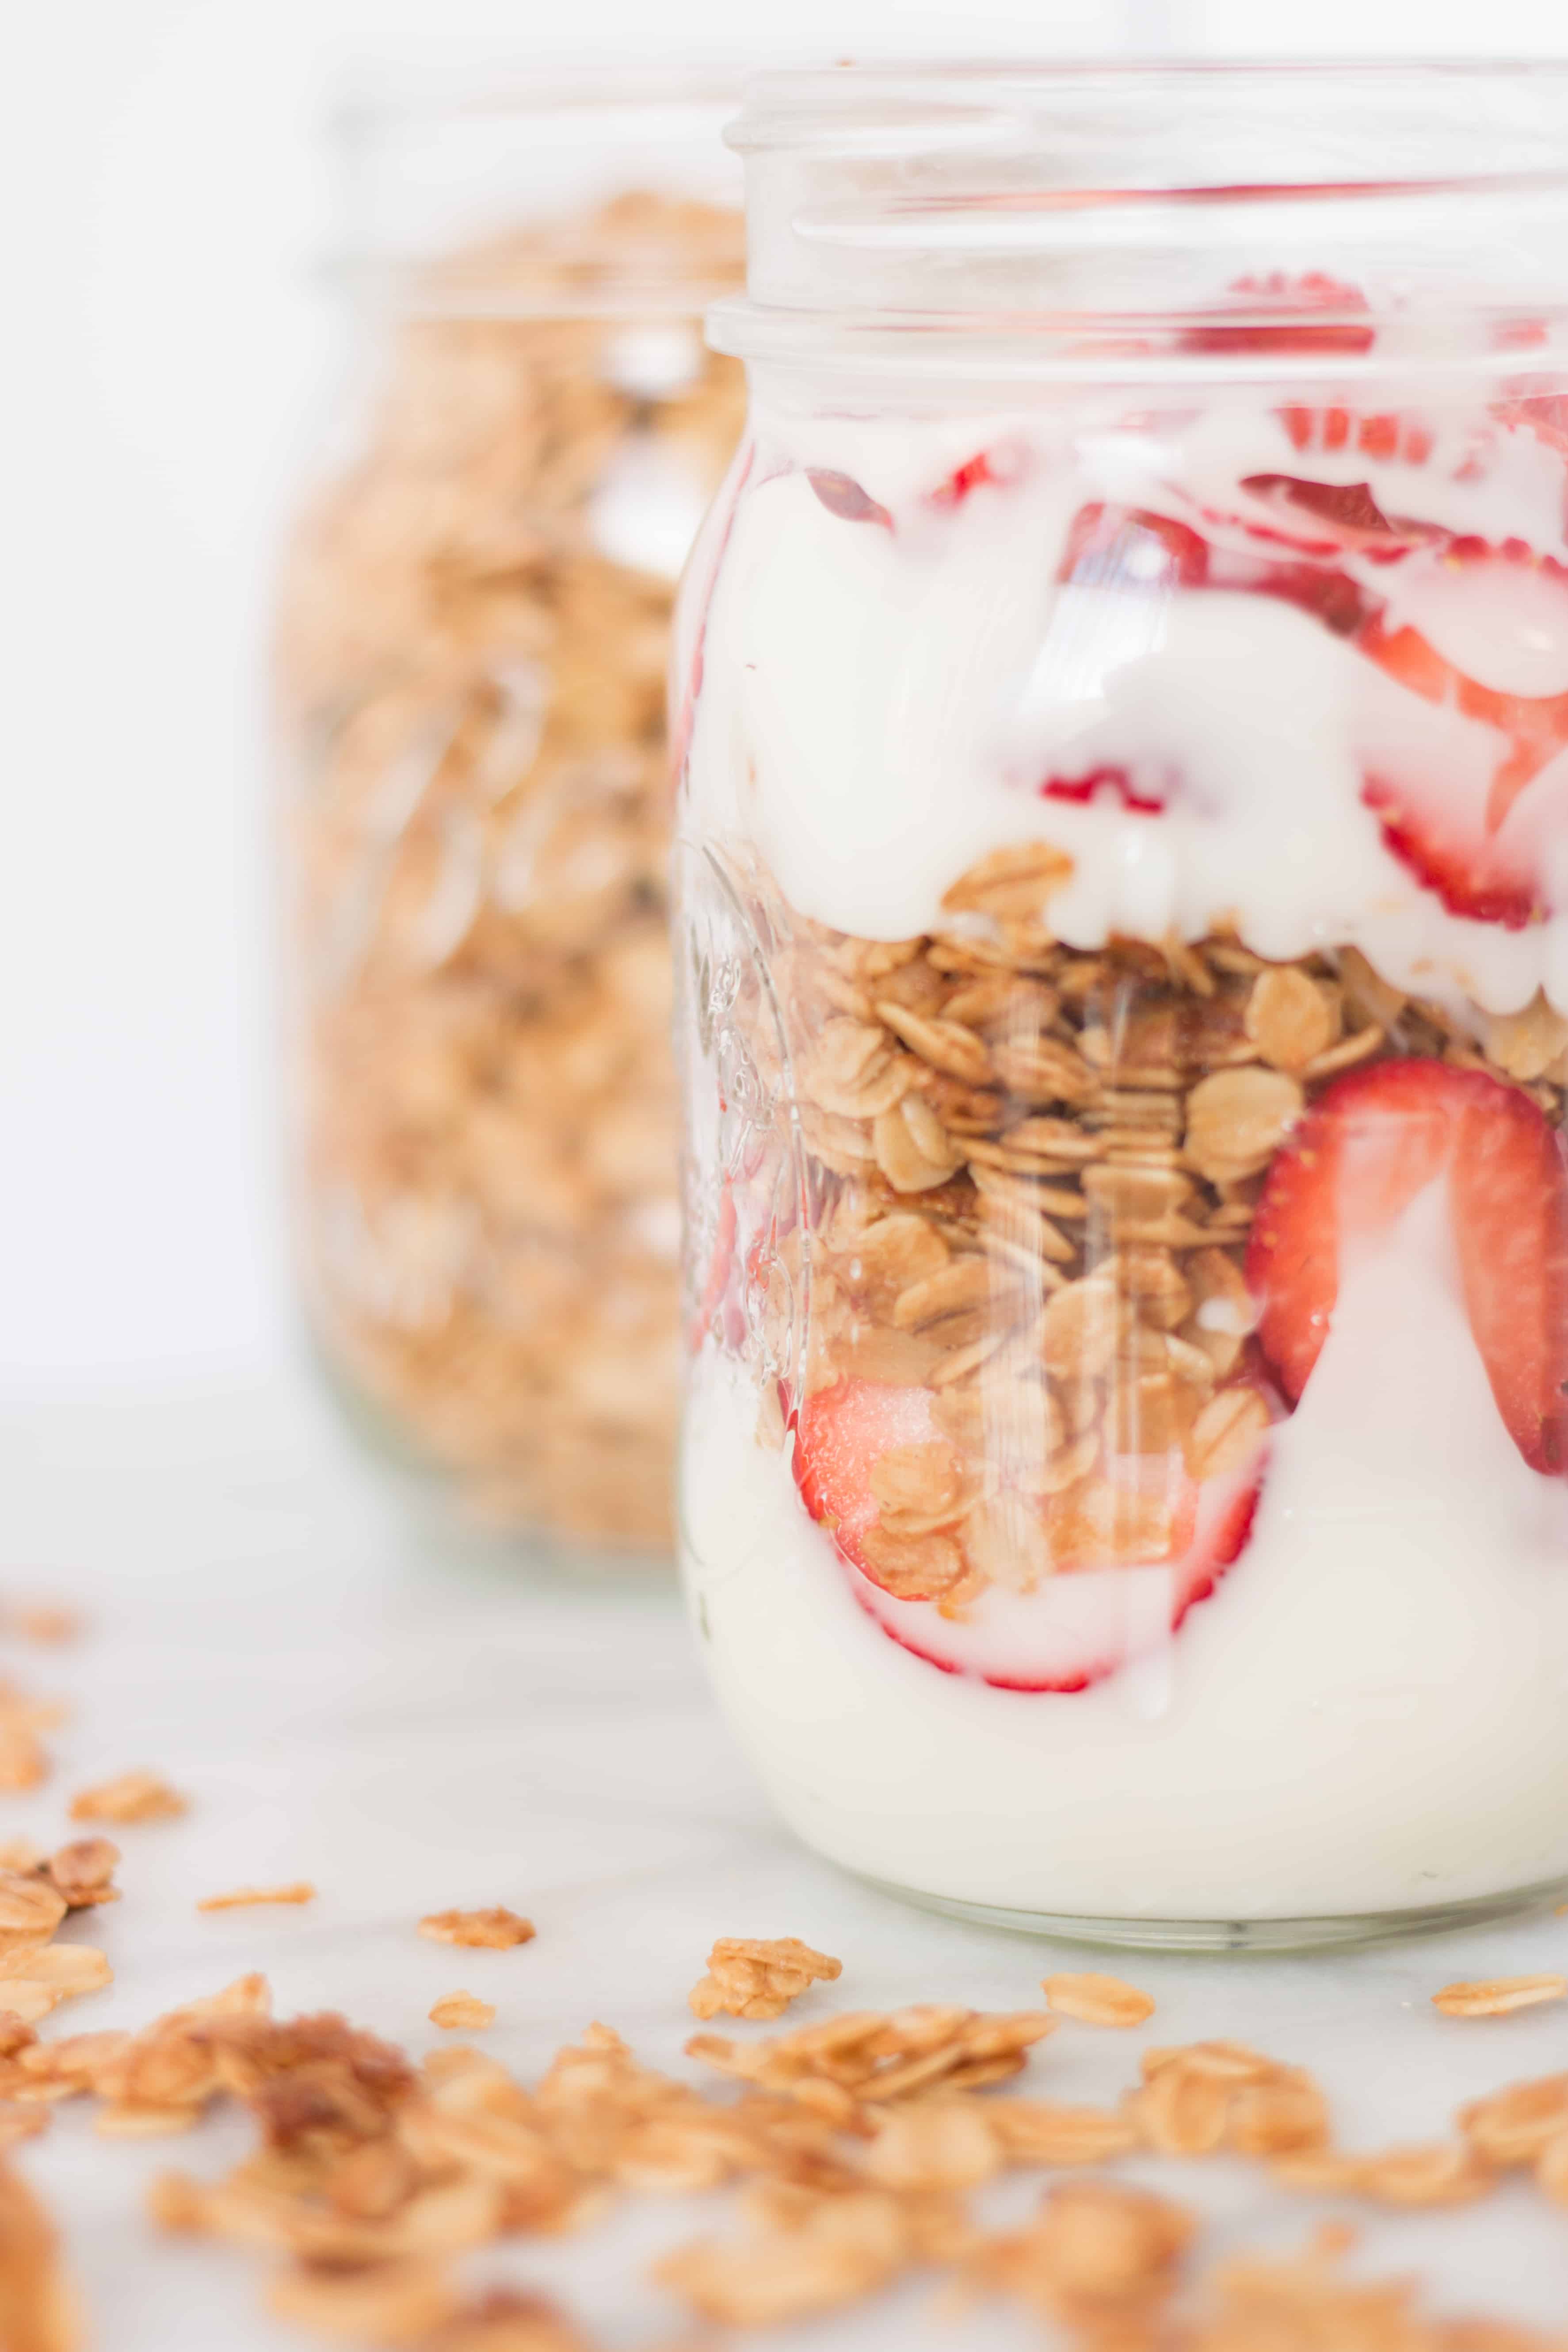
pixel 472 664
pixel 1123 866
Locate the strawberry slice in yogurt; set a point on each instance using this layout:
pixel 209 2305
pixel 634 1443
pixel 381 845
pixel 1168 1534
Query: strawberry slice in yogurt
pixel 1100 1575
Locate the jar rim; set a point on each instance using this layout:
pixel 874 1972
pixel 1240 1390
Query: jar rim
pixel 1235 215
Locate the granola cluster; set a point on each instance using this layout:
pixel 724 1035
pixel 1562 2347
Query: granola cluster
pixel 1030 1176
pixel 472 661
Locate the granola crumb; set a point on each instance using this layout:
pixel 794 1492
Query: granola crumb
pixel 496 1929
pixel 1497 1996
pixel 135 1796
pixel 243 1898
pixel 462 2011
pixel 759 1977
pixel 1095 1999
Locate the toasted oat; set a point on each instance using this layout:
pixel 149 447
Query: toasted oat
pixel 496 1929
pixel 136 1796
pixel 1097 1999
pixel 52 1622
pixel 1095 2256
pixel 391 2303
pixel 826 2253
pixel 934 2144
pixel 1513 2126
pixel 1497 1996
pixel 37 2308
pixel 1236 1121
pixel 758 1976
pixel 1033 2131
pixel 1226 1432
pixel 462 2010
pixel 870 2056
pixel 502 2319
pixel 244 1898
pixel 36 1979
pixel 1013 881
pixel 30 1908
pixel 83 1873
pixel 1290 1018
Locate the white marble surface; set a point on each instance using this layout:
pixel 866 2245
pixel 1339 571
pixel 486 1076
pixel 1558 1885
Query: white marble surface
pixel 412 1732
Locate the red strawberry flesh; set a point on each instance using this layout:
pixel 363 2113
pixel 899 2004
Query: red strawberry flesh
pixel 1368 1146
pixel 1113 1593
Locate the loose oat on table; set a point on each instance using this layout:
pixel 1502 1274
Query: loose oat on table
pixel 23 1760
pixel 136 1796
pixel 497 1928
pixel 472 677
pixel 756 1977
pixel 462 2010
pixel 1497 1996
pixel 83 1873
pixel 244 1898
pixel 50 1623
pixel 38 2310
pixel 1095 1999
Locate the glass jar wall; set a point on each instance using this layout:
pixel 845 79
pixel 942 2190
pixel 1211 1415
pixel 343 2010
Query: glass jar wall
pixel 1123 856
pixel 471 663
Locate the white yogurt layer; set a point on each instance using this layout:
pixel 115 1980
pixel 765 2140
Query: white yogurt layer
pixel 879 706
pixel 1371 1712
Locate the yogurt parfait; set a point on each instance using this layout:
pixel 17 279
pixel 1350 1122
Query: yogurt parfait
pixel 1122 700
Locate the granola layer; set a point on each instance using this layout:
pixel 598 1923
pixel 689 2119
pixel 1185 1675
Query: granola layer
pixel 1028 1178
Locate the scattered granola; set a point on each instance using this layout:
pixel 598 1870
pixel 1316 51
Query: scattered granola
pixel 496 1929
pixel 1098 2000
pixel 1497 1996
pixel 462 2011
pixel 243 1898
pixel 472 666
pixel 758 1978
pixel 136 1796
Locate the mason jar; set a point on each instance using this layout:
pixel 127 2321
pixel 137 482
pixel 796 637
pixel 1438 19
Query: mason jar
pixel 471 660
pixel 1123 876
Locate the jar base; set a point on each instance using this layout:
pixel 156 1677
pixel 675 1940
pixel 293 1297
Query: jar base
pixel 1340 1931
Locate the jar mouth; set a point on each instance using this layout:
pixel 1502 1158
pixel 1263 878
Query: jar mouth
pixel 1251 214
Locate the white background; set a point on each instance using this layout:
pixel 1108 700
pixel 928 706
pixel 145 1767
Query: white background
pixel 163 195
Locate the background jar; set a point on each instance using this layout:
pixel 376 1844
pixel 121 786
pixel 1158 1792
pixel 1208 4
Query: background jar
pixel 470 662
pixel 1126 968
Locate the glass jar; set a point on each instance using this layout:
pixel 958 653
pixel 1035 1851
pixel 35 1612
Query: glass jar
pixel 1123 870
pixel 471 666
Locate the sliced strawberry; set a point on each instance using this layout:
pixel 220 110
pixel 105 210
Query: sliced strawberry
pixel 1133 1550
pixel 1386 435
pixel 1102 784
pixel 1346 516
pixel 997 468
pixel 1301 325
pixel 1367 1146
pixel 1132 548
pixel 1455 838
